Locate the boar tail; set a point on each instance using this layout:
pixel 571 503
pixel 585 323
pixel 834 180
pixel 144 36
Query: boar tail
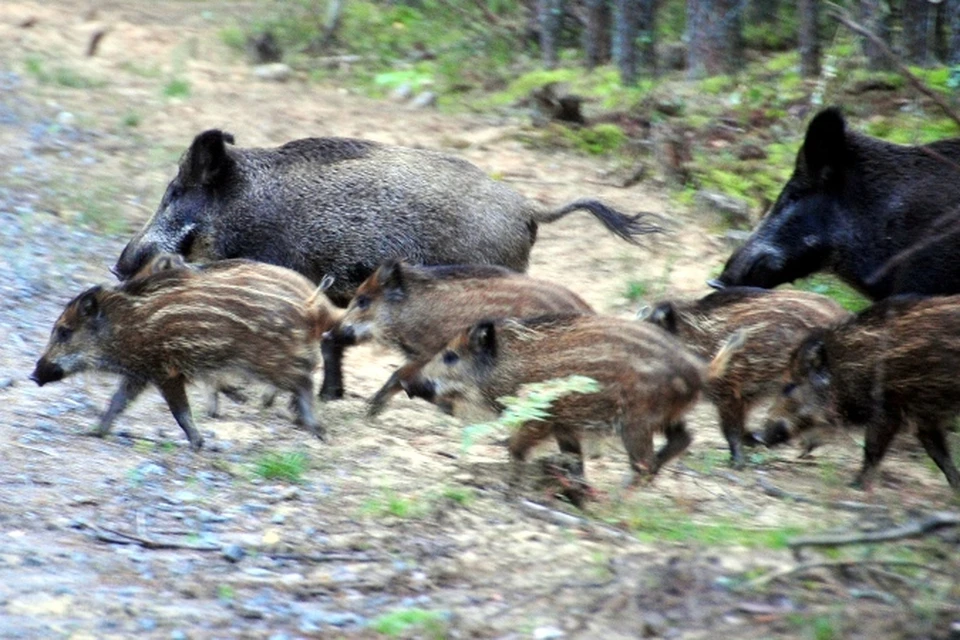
pixel 627 227
pixel 323 312
pixel 718 366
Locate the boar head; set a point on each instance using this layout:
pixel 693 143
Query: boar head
pixel 182 222
pixel 798 234
pixel 75 341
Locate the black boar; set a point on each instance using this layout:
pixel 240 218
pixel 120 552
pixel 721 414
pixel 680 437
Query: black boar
pixel 340 207
pixel 882 217
pixel 418 309
pixel 773 322
pixel 892 364
pixel 178 325
pixel 648 381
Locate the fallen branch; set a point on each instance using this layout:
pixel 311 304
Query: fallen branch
pixel 52 454
pixel 834 564
pixel 914 529
pixel 847 505
pixel 841 16
pixel 567 520
pixel 114 536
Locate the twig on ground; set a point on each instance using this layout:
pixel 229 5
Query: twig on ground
pixel 567 520
pixel 114 536
pixel 932 522
pixel 848 505
pixel 843 17
pixel 52 454
pixel 835 564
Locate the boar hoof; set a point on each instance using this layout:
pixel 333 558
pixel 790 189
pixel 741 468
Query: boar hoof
pixel 96 432
pixel 335 393
pixel 196 444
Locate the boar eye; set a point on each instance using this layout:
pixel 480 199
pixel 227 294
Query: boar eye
pixel 63 334
pixel 450 358
pixel 363 303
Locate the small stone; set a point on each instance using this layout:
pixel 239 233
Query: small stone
pixel 233 552
pixel 735 211
pixel 66 118
pixel 146 624
pixel 278 518
pixel 654 625
pixel 6 383
pixel 273 72
pixel 547 633
pixel 424 100
pixel 176 634
pixel 402 93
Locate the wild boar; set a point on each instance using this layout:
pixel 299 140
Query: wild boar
pixel 648 381
pixel 282 282
pixel 179 325
pixel 773 322
pixel 883 217
pixel 892 364
pixel 416 310
pixel 340 207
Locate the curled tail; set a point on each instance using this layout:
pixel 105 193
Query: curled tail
pixel 627 227
pixel 323 313
pixel 718 366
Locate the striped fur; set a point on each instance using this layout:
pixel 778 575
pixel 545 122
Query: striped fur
pixel 774 322
pixel 179 325
pixel 418 309
pixel 893 363
pixel 648 380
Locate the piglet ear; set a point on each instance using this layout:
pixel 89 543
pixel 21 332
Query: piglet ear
pixel 391 278
pixel 813 357
pixel 482 339
pixel 825 146
pixel 207 163
pixel 88 304
pixel 664 315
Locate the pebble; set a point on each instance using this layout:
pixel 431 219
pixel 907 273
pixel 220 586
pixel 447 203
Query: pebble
pixel 424 100
pixel 6 383
pixel 273 72
pixel 547 633
pixel 176 634
pixel 146 624
pixel 233 552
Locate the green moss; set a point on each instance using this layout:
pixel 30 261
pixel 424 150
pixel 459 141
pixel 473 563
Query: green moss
pixel 717 84
pixel 598 139
pixel 831 286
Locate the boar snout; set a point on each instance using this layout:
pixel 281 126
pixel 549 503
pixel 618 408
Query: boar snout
pixel 132 259
pixel 420 388
pixel 774 432
pixel 757 266
pixel 46 371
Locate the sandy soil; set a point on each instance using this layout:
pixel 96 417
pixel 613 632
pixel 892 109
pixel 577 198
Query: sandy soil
pixel 135 536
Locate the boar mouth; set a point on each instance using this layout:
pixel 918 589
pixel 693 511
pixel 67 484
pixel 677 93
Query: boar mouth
pixel 46 371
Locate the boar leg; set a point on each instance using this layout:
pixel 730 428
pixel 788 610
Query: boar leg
pixel 880 433
pixel 732 418
pixel 638 441
pixel 392 387
pixel 332 346
pixel 522 440
pixel 304 401
pixel 678 439
pixel 174 392
pixel 569 443
pixel 126 393
pixel 934 441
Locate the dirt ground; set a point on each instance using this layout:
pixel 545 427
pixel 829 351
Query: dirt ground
pixel 136 536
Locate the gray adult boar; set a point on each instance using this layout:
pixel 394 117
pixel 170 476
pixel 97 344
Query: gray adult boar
pixel 340 207
pixel 885 218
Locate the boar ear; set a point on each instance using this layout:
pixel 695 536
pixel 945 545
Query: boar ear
pixel 825 146
pixel 207 162
pixel 88 304
pixel 815 362
pixel 483 339
pixel 664 315
pixel 390 277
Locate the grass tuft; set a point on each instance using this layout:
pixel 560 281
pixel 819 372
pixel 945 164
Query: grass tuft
pixel 289 466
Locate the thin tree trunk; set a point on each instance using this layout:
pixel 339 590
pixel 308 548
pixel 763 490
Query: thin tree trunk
pixel 953 22
pixel 597 32
pixel 550 16
pixel 648 36
pixel 916 30
pixel 626 26
pixel 809 38
pixel 714 43
pixel 873 18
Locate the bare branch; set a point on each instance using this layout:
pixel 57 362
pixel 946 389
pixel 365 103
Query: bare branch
pixel 914 529
pixel 834 564
pixel 840 15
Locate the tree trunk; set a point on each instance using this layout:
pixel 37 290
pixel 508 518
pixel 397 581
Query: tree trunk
pixel 714 42
pixel 873 17
pixel 626 27
pixel 648 36
pixel 809 38
pixel 597 33
pixel 916 31
pixel 550 17
pixel 953 22
pixel 763 11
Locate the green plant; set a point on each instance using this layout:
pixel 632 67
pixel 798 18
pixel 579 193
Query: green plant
pixel 390 503
pixel 829 285
pixel 532 402
pixel 429 624
pixel 636 290
pixel 289 466
pixel 462 496
pixel 226 593
pixel 131 119
pixel 176 88
pixel 597 140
